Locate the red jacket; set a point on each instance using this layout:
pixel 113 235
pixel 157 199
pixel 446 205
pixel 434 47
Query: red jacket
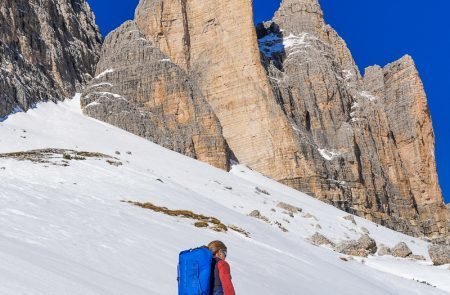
pixel 222 279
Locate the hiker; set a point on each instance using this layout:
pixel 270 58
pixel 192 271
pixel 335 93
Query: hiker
pixel 221 284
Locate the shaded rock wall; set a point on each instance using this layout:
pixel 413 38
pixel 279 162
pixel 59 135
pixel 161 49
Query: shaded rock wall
pixel 288 100
pixel 139 89
pixel 375 132
pixel 48 49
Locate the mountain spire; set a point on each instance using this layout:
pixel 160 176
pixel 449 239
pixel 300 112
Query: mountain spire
pixel 298 16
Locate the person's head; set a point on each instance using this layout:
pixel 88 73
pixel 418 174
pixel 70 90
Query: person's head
pixel 218 249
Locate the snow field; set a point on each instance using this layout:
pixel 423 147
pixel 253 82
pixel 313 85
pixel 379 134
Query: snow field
pixel 64 230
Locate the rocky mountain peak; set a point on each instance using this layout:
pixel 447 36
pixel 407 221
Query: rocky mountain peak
pixel 298 16
pixel 140 89
pixel 366 128
pixel 291 7
pixel 215 43
pixel 407 59
pixel 287 101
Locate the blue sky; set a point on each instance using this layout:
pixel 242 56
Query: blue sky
pixel 377 32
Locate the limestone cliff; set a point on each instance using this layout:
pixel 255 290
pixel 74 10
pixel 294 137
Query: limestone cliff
pixel 215 42
pixel 48 49
pixel 287 99
pixel 139 89
pixel 374 132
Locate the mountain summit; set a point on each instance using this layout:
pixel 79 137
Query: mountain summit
pixel 99 193
pixel 287 100
pixel 375 132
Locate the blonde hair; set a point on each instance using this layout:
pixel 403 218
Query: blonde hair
pixel 216 246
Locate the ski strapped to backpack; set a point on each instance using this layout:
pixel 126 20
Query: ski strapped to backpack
pixel 194 272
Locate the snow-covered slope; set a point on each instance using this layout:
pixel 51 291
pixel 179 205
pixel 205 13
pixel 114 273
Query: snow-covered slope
pixel 64 229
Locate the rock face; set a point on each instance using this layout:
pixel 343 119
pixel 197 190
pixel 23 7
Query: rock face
pixel 364 247
pixel 440 254
pixel 215 42
pixel 401 250
pixel 287 99
pixel 319 240
pixel 48 49
pixel 350 218
pixel 139 89
pixel 289 209
pixel 367 142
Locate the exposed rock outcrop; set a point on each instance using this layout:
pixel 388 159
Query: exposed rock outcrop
pixel 288 100
pixel 401 250
pixel 215 41
pixel 140 89
pixel 48 49
pixel 440 254
pixel 367 143
pixel 350 218
pixel 319 240
pixel 257 214
pixel 289 209
pixel 363 247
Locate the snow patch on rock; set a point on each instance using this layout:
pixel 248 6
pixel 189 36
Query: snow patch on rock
pixel 104 73
pixel 368 95
pixel 328 155
pixel 274 44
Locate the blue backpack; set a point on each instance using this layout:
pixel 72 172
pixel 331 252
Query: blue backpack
pixel 194 272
